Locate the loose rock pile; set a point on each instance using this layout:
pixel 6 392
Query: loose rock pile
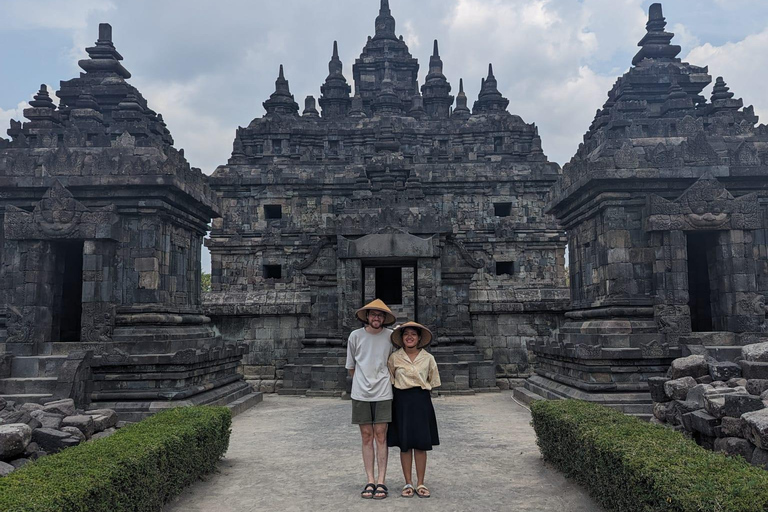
pixel 723 406
pixel 30 431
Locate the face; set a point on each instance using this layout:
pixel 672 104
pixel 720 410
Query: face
pixel 376 319
pixel 411 337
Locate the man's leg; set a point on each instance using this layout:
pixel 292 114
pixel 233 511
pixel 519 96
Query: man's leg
pixel 382 452
pixel 366 433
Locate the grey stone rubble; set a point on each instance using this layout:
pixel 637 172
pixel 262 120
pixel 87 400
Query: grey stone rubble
pixel 390 193
pixel 100 237
pixel 30 431
pixel 664 204
pixel 730 416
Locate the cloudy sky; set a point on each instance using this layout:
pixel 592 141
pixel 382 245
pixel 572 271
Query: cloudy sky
pixel 208 66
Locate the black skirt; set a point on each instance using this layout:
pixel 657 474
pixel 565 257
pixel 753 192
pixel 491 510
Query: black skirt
pixel 414 425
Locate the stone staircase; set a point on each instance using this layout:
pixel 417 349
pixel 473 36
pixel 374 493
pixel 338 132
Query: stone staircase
pixel 722 346
pixel 32 378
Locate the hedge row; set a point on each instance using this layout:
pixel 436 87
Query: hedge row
pixel 139 468
pixel 629 465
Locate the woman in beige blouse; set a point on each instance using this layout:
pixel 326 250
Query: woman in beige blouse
pixel 414 427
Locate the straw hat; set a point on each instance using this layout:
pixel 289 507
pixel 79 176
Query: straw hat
pixel 376 305
pixel 426 334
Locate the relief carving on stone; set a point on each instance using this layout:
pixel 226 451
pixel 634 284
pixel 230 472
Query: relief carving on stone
pixel 58 214
pixel 19 325
pixel 655 349
pixel 705 206
pixel 672 318
pixel 98 322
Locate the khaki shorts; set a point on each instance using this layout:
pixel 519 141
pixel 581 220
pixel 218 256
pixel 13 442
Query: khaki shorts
pixel 365 413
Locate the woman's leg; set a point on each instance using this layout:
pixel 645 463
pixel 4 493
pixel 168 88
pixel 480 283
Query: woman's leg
pixel 421 465
pixel 406 461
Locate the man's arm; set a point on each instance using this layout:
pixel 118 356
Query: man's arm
pixel 352 373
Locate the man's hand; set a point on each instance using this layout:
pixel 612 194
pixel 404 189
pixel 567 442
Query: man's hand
pixel 352 373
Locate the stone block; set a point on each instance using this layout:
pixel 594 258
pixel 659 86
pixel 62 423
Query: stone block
pixel 53 441
pixel 724 370
pixel 103 419
pixel 698 392
pixel 754 370
pixel 760 458
pixel 677 389
pixel 14 438
pixel 65 407
pixel 691 366
pixel 47 419
pixel 678 409
pixel 660 411
pixel 502 384
pixel 757 386
pixel 757 427
pixel 737 404
pixel 6 469
pixel 101 435
pixel 656 387
pixel 267 386
pixel 715 405
pixel 755 353
pixel 735 446
pixel 74 432
pixel 82 422
pixel 702 423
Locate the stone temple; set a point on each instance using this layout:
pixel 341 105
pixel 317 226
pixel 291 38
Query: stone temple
pixel 391 193
pixel 451 215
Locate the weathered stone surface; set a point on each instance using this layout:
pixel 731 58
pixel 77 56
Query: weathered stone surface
pixel 691 366
pixel 724 370
pixel 74 432
pixel 30 406
pixel 705 379
pixel 698 392
pixel 101 435
pixel 757 427
pixel 760 458
pixel 83 423
pixel 702 422
pixel 20 463
pixel 103 419
pixel 48 419
pixel 732 427
pixel 737 404
pixel 6 469
pixel 656 387
pixel 15 417
pixel 14 438
pixel 53 441
pixel 64 407
pixel 715 405
pixel 735 446
pixel 757 352
pixel 757 386
pixel 660 410
pixel 737 383
pixel 2 403
pixel 677 389
pixel 678 409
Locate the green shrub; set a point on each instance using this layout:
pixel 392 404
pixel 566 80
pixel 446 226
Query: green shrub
pixel 630 465
pixel 139 468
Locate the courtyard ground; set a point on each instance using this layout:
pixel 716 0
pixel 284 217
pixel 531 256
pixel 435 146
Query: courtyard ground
pixel 302 454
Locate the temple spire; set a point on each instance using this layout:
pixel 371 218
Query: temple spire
pixel 490 99
pixel 103 57
pixel 281 101
pixel 387 102
pixel 385 22
pixel 656 42
pixel 461 111
pixel 334 93
pixel 436 89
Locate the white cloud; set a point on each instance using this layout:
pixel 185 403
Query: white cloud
pixel 743 65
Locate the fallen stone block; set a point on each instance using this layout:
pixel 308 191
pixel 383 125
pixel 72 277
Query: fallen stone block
pixel 48 419
pixel 724 370
pixel 702 422
pixel 74 432
pixel 756 352
pixel 102 435
pixel 760 458
pixel 103 419
pixel 734 446
pixel 691 366
pixel 65 407
pixel 678 409
pixel 737 404
pixel 14 438
pixel 754 370
pixel 656 387
pixel 6 469
pixel 704 380
pixel 677 389
pixel 53 441
pixel 81 422
pixel 757 386
pixel 732 427
pixel 31 406
pixel 19 463
pixel 698 392
pixel 715 405
pixel 757 427
pixel 660 411
pixel 737 383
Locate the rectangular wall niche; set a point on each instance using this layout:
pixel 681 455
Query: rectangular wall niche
pixel 67 291
pixel 702 283
pixel 505 268
pixel 273 211
pixel 502 209
pixel 389 284
pixel 273 272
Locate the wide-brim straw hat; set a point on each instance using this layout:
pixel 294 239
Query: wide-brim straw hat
pixel 397 334
pixel 376 305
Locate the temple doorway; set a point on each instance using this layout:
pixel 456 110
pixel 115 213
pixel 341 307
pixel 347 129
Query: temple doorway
pixel 395 284
pixel 67 291
pixel 702 281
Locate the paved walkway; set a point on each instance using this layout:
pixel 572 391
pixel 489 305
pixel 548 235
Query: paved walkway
pixel 301 454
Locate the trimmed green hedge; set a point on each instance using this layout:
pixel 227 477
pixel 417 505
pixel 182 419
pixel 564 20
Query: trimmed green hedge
pixel 629 465
pixel 139 468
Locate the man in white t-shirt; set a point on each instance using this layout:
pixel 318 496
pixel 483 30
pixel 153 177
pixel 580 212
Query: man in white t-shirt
pixel 368 349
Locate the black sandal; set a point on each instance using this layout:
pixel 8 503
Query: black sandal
pixel 381 489
pixel 368 491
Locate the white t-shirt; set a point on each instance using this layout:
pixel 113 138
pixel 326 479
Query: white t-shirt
pixel 367 354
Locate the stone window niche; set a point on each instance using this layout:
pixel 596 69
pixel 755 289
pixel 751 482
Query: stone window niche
pixel 502 209
pixel 273 212
pixel 505 268
pixel 273 272
pixel 498 144
pixel 277 146
pixel 67 291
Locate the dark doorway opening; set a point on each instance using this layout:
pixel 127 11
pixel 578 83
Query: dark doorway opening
pixel 700 262
pixel 389 284
pixel 68 291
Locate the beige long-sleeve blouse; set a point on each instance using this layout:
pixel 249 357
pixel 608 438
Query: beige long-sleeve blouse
pixel 421 372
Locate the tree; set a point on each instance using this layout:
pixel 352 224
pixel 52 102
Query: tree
pixel 205 281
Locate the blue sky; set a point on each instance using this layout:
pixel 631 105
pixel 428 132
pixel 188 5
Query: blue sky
pixel 208 66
